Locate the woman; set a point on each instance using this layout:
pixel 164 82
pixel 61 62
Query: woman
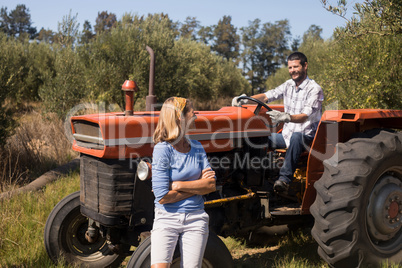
pixel 181 174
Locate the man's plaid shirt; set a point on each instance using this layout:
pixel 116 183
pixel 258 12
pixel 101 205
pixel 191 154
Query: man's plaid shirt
pixel 306 99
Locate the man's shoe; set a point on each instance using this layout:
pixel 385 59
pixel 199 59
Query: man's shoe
pixel 281 186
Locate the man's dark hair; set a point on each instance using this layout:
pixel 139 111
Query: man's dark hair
pixel 298 56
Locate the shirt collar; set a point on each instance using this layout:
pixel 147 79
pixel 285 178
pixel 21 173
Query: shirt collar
pixel 302 85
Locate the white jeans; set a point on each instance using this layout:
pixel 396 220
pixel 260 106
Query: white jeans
pixel 190 229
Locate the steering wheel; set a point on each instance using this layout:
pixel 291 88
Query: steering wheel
pixel 258 109
pixel 259 104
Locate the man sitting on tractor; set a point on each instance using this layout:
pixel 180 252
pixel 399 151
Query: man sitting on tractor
pixel 302 98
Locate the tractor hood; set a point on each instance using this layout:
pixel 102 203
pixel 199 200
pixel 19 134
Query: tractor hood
pixel 114 135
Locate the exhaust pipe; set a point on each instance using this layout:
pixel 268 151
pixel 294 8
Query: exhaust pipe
pixel 151 98
pixel 130 87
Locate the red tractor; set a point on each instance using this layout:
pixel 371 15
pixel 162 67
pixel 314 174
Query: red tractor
pixel 349 180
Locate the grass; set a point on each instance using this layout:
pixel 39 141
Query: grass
pixel 23 220
pixel 295 250
pixel 24 216
pixel 38 144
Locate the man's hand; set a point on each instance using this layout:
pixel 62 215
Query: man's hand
pixel 278 117
pixel 238 103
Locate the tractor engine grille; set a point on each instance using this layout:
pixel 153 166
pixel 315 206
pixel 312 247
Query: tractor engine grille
pixel 106 189
pixel 107 195
pixel 88 134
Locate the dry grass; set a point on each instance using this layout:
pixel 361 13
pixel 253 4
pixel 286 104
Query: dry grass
pixel 294 249
pixel 38 145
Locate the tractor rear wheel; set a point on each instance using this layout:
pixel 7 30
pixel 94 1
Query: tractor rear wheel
pixel 358 208
pixel 65 237
pixel 216 255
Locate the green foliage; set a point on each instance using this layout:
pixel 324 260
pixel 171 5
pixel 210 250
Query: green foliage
pixel 201 75
pixel 67 30
pixel 374 17
pixel 11 70
pixel 86 35
pixel 13 66
pixel 65 85
pixel 189 28
pixel 17 23
pixel 365 72
pixel 265 50
pixel 95 71
pixel 317 53
pixel 280 76
pixel 227 41
pixel 363 64
pixel 39 60
pixel 23 64
pixel 205 34
pixel 105 22
pixel 313 33
pixel 47 36
pixel 115 56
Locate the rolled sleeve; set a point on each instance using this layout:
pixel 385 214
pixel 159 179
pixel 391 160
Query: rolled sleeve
pixel 313 101
pixel 276 94
pixel 160 171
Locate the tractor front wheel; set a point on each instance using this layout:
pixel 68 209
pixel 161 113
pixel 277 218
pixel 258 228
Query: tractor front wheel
pixel 65 237
pixel 358 208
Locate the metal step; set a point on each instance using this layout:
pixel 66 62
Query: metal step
pixel 290 209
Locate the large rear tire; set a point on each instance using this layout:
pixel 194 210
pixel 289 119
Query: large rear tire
pixel 216 255
pixel 358 208
pixel 65 237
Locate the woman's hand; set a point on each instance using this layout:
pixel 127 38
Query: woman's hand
pixel 204 185
pixel 207 173
pixel 180 190
pixel 174 196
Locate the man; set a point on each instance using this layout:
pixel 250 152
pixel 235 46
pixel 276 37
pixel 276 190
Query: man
pixel 302 99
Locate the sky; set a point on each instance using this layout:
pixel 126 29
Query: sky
pixel 300 13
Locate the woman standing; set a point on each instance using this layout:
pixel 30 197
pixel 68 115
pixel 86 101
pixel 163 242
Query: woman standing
pixel 181 174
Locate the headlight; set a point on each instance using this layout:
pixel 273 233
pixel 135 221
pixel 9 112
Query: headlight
pixel 144 170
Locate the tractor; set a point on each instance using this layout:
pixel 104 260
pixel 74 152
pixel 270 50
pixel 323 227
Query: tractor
pixel 348 183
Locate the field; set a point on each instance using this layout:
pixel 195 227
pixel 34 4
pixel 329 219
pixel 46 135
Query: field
pixel 24 216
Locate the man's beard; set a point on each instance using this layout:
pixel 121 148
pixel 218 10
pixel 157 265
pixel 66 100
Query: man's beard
pixel 300 78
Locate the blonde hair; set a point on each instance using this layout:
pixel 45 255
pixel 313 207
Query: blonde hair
pixel 169 128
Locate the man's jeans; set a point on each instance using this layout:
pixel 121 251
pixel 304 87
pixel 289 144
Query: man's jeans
pixel 298 143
